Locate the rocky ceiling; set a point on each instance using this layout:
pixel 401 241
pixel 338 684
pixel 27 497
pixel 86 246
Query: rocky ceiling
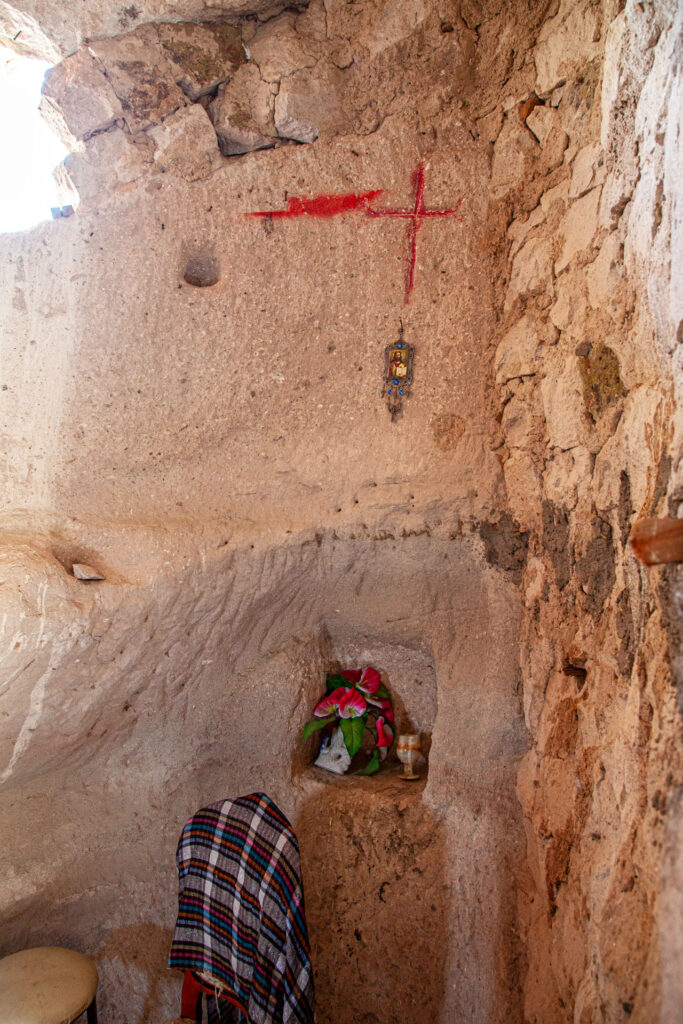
pixel 38 28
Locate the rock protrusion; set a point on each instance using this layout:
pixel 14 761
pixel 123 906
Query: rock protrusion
pixel 205 55
pixel 277 49
pixel 309 103
pixel 186 144
pixel 78 99
pixel 243 113
pixel 86 573
pixel 142 76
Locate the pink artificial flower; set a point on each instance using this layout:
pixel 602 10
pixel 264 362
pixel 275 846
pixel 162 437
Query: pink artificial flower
pixel 352 705
pixel 352 674
pixel 384 704
pixel 370 681
pixel 385 734
pixel 328 705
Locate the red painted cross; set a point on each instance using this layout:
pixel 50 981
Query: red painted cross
pixel 332 205
pixel 418 213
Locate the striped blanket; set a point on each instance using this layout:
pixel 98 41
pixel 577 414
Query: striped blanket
pixel 241 908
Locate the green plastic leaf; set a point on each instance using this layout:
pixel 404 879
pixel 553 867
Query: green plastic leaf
pixel 382 692
pixel 312 727
pixel 372 766
pixel 352 731
pixel 333 683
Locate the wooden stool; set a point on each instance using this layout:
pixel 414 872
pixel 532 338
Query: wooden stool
pixel 47 985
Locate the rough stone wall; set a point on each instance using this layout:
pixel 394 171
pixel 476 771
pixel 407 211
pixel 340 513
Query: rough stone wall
pixel 223 455
pixel 590 311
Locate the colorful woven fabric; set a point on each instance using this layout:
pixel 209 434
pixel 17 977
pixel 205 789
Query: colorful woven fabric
pixel 241 908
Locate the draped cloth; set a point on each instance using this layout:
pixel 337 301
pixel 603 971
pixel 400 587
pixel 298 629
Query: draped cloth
pixel 241 913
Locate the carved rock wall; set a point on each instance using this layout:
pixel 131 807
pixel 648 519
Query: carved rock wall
pixel 136 704
pixel 223 456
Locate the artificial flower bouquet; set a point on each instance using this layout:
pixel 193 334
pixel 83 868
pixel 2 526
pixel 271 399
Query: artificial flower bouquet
pixel 356 702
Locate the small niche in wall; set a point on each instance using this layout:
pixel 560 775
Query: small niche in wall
pixel 351 734
pixel 83 565
pixel 201 268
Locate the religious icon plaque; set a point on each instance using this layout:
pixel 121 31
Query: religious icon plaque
pixel 398 374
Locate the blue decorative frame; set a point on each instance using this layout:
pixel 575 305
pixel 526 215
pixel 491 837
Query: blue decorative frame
pixel 398 374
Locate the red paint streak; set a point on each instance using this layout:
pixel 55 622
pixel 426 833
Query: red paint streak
pixel 332 205
pixel 416 216
pixel 321 206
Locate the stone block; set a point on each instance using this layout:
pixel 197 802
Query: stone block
pixel 578 227
pixel 77 99
pixel 377 27
pixel 517 353
pixel 541 121
pixel 341 53
pixel 108 161
pixel 523 489
pixel 489 126
pixel 312 22
pixel 531 270
pixel 66 192
pixel 605 274
pixel 562 394
pixel 631 448
pixel 518 229
pixel 142 76
pixel 277 49
pixel 186 144
pixel 566 475
pixel 86 573
pixel 309 104
pixel 204 55
pixel 513 149
pixel 565 44
pixel 617 191
pixel 556 95
pixel 243 113
pixel 389 23
pixel 614 44
pixel 554 148
pixel 555 195
pixel 518 420
pixel 583 170
pixel 569 312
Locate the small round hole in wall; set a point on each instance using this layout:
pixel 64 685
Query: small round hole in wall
pixel 201 268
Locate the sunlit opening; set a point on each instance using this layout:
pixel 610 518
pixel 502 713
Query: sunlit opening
pixel 29 149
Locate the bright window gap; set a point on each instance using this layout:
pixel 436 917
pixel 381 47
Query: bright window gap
pixel 29 149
